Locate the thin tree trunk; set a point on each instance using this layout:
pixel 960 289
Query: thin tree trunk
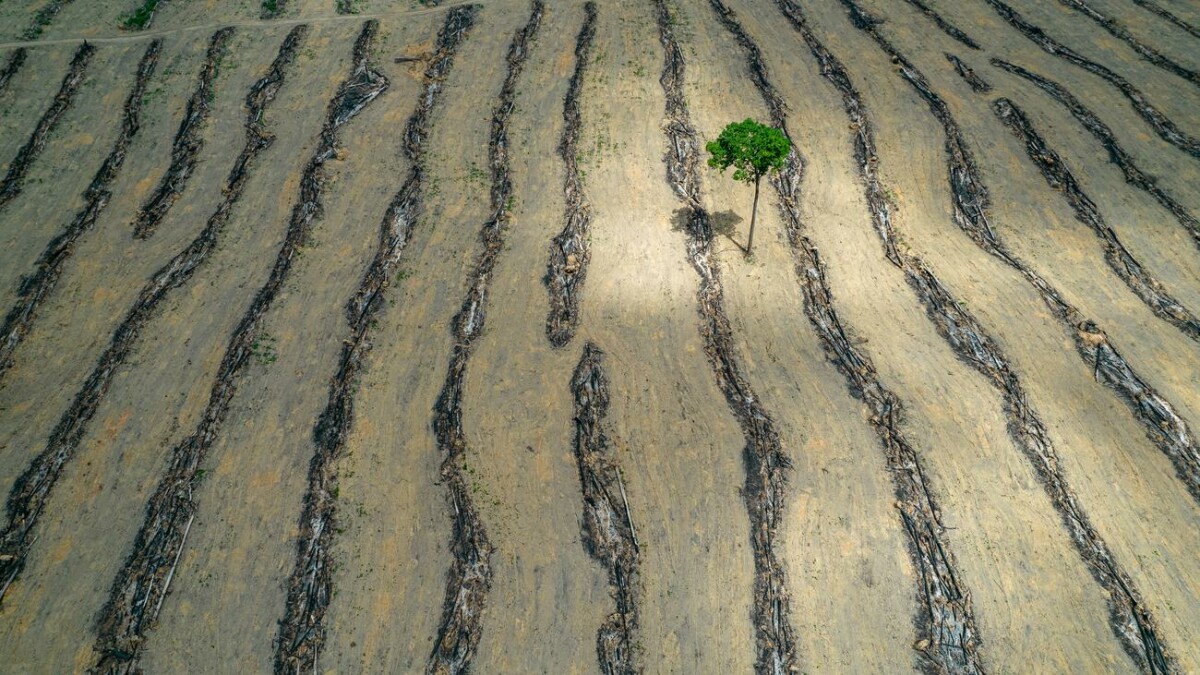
pixel 753 217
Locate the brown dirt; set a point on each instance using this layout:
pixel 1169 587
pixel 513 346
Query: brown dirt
pixel 850 578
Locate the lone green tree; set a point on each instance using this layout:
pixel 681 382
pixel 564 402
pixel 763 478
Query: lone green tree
pixel 753 150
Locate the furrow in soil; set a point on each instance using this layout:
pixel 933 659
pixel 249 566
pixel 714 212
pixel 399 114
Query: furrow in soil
pixel 1155 8
pixel 13 181
pixel 1162 423
pixel 1118 31
pixel 140 587
pixel 188 142
pixel 946 623
pixel 1164 127
pixel 302 631
pixel 569 251
pixel 37 285
pixel 763 458
pixel 1059 177
pixel 967 73
pixel 947 27
pixel 12 65
pixel 608 531
pixel 470 577
pixel 1116 154
pixel 1130 620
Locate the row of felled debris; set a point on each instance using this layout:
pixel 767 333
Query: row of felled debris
pixel 569 251
pixel 36 286
pixel 15 60
pixel 188 142
pixel 1059 177
pixel 1129 619
pixel 765 462
pixel 967 73
pixel 946 622
pixel 1162 424
pixel 27 498
pixel 1166 129
pixel 14 180
pixel 1118 31
pixel 1158 9
pixel 1159 419
pixel 608 530
pixel 141 585
pixel 1116 154
pixel 469 579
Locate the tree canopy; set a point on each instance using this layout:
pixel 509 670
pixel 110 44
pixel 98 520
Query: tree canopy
pixel 751 148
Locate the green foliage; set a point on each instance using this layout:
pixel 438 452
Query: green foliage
pixel 263 350
pixel 752 149
pixel 139 18
pixel 40 20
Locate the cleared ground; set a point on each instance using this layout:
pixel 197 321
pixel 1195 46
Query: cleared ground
pixel 483 553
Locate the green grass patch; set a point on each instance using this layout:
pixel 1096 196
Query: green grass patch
pixel 139 18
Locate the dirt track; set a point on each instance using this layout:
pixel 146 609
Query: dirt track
pixel 686 474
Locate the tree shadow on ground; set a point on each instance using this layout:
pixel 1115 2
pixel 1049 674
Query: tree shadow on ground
pixel 723 223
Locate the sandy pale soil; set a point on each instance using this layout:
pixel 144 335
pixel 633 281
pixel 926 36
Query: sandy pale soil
pixel 850 579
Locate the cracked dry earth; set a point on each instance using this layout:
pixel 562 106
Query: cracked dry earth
pixel 416 336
